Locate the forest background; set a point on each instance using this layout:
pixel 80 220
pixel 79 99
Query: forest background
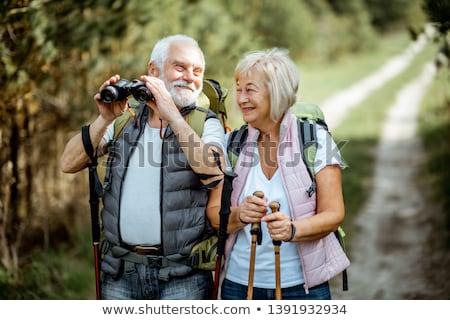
pixel 55 54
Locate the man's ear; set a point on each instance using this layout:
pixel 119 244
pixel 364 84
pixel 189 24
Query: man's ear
pixel 153 70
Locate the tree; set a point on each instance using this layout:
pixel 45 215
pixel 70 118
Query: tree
pixel 45 55
pixel 438 12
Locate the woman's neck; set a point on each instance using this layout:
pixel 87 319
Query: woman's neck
pixel 270 132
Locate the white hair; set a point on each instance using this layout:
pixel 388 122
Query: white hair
pixel 161 49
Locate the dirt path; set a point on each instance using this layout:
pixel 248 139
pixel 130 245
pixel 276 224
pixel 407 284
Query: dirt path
pixel 340 104
pixel 390 255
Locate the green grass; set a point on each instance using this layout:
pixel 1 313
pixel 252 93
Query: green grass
pixel 318 81
pixel 66 272
pixel 434 127
pixel 362 130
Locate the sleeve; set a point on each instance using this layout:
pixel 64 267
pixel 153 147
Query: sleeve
pixel 328 152
pixel 109 134
pixel 213 133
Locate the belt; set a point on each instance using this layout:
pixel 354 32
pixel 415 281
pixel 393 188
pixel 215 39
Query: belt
pixel 144 250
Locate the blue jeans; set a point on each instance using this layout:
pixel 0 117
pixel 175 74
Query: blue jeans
pixel 234 291
pixel 143 283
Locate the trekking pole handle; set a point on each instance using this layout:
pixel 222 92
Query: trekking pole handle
pixel 258 194
pixel 275 207
pixel 256 226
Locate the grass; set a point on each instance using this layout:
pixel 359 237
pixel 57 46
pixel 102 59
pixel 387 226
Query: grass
pixel 362 130
pixel 318 81
pixel 434 127
pixel 66 272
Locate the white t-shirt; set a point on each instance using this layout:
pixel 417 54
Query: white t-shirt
pixel 238 263
pixel 140 217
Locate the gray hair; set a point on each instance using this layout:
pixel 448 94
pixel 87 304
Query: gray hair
pixel 278 73
pixel 161 49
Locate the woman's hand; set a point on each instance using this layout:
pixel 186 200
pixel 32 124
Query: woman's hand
pixel 252 209
pixel 279 226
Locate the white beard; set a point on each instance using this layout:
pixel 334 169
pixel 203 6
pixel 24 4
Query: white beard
pixel 182 92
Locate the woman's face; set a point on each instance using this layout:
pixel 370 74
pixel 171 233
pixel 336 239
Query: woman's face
pixel 253 99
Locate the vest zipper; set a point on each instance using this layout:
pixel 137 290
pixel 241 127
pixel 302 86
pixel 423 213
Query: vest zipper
pixel 161 191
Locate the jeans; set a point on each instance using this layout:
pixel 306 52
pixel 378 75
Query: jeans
pixel 143 283
pixel 235 291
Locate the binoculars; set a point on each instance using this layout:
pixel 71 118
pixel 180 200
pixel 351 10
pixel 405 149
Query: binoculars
pixel 123 88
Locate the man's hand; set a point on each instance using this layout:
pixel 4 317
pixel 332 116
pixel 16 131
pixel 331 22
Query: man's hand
pixel 163 106
pixel 110 111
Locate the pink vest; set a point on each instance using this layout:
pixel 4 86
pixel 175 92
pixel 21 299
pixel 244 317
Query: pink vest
pixel 321 259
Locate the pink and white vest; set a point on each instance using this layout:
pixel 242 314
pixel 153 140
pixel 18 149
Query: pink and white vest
pixel 321 259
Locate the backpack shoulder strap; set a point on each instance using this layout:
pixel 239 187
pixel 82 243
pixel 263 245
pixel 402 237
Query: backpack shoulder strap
pixel 308 144
pixel 309 115
pixel 216 95
pixel 235 143
pixel 196 119
pixel 121 122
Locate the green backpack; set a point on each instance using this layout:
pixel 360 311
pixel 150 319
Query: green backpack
pixel 212 97
pixel 308 117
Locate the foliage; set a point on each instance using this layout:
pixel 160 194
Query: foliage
pixel 438 12
pixel 388 15
pixel 434 125
pixel 44 58
pixel 55 53
pixel 44 275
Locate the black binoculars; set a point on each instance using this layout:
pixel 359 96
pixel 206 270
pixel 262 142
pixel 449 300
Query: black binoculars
pixel 123 88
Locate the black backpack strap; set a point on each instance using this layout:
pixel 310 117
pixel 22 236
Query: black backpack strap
pixel 307 136
pixel 235 143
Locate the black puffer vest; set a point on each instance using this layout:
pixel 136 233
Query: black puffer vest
pixel 183 197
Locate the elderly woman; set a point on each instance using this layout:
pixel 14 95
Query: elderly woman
pixel 266 85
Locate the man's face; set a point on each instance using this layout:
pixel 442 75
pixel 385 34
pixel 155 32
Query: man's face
pixel 183 73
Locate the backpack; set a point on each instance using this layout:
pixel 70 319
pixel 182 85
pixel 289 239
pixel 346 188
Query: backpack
pixel 212 97
pixel 308 117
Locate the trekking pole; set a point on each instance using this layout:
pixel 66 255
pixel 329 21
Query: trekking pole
pixel 275 206
pixel 222 234
pixel 95 224
pixel 95 192
pixel 256 233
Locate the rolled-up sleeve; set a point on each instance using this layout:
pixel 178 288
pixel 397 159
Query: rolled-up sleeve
pixel 213 133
